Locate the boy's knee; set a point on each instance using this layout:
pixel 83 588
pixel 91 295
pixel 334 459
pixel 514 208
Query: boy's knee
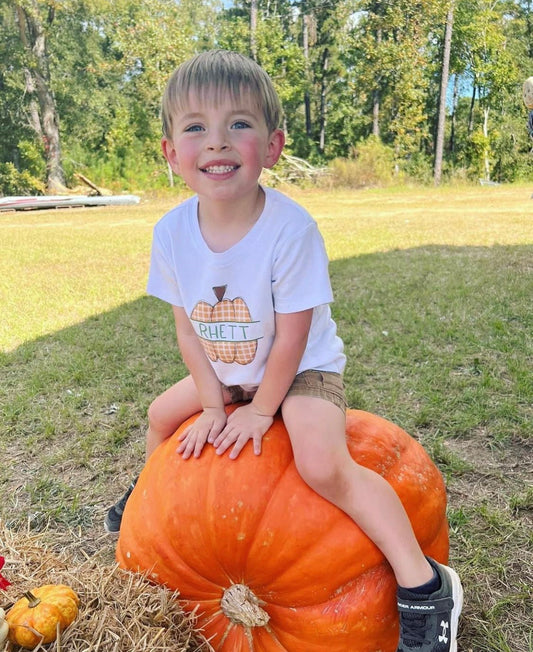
pixel 156 414
pixel 325 476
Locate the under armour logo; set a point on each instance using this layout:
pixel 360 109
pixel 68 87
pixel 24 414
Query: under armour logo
pixel 442 637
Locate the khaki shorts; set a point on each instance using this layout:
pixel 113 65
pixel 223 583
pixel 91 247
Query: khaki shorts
pixel 318 384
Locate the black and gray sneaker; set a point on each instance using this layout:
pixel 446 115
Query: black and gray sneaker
pixel 114 515
pixel 429 623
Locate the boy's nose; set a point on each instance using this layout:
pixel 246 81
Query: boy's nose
pixel 217 146
pixel 217 140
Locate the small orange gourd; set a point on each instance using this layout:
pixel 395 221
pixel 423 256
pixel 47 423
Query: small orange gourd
pixel 266 563
pixel 37 616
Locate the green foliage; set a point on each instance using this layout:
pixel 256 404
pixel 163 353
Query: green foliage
pixel 14 182
pixel 369 68
pixel 418 168
pixel 371 166
pixel 31 157
pixel 124 168
pixel 478 146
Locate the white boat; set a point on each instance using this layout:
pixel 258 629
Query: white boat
pixel 64 201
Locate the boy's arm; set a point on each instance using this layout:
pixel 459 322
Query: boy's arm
pixel 287 350
pixel 251 421
pixel 213 418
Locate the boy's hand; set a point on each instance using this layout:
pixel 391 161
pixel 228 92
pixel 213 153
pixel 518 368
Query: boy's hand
pixel 206 428
pixel 243 424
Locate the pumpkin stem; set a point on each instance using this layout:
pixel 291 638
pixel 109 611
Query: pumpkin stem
pixel 32 599
pixel 240 605
pixel 220 291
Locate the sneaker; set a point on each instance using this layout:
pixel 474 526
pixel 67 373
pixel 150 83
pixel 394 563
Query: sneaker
pixel 114 515
pixel 430 624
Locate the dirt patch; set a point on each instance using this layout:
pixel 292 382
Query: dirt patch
pixel 497 474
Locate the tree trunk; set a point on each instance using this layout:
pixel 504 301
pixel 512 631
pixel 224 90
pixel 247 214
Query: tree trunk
pixel 528 11
pixel 376 95
pixel 445 74
pixel 471 112
pixel 454 112
pixel 486 157
pixel 323 103
pixel 253 28
pixel 34 117
pixel 307 96
pixel 46 124
pixel 375 113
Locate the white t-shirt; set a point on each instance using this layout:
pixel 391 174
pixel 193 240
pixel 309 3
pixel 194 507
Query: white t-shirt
pixel 280 265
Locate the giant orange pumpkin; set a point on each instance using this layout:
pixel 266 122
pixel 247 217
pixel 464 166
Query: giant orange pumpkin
pixel 269 565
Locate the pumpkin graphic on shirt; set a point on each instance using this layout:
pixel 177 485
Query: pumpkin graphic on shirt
pixel 226 329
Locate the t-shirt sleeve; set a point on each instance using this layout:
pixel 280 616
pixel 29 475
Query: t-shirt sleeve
pixel 300 278
pixel 162 281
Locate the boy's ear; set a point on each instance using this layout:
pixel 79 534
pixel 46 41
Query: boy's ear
pixel 169 152
pixel 275 147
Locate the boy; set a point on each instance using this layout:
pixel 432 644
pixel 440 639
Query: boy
pixel 245 271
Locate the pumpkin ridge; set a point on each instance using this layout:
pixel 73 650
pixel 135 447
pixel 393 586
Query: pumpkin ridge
pixel 264 512
pixel 209 511
pixel 347 619
pixel 269 632
pixel 275 638
pixel 309 549
pixel 199 571
pixel 217 469
pixel 162 549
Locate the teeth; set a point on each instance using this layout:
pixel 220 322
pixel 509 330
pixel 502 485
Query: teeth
pixel 220 169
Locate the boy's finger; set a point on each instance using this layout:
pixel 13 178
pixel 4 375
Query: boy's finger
pixel 239 445
pixel 198 448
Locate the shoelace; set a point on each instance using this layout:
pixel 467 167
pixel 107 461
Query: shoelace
pixel 414 631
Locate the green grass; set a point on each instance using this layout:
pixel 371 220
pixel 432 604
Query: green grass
pixel 433 292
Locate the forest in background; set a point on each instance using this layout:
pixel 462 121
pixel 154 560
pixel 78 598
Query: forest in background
pixel 374 91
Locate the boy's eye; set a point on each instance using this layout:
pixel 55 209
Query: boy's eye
pixel 194 128
pixel 240 124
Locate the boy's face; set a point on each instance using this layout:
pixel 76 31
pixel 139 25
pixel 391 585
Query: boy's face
pixel 220 149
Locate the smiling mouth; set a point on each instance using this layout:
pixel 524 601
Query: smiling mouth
pixel 220 169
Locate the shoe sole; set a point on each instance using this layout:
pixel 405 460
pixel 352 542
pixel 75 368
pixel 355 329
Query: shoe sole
pixel 457 596
pixel 111 533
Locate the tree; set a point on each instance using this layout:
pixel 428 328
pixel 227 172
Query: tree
pixel 276 50
pixel 491 65
pixel 85 77
pixel 324 29
pixel 253 27
pixel 439 146
pixel 34 19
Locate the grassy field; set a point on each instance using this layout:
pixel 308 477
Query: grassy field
pixel 433 296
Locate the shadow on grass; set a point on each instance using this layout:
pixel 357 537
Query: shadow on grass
pixel 438 340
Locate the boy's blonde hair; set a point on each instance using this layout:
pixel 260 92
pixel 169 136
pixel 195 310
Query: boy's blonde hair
pixel 213 74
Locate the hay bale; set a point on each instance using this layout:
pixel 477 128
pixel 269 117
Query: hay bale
pixel 119 611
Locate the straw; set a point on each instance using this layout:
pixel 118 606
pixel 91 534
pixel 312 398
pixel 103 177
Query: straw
pixel 119 611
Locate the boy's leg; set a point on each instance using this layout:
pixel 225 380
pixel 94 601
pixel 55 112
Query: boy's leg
pixel 317 431
pixel 169 410
pixel 166 413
